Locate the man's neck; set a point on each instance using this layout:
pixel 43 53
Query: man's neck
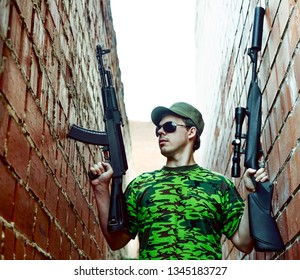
pixel 173 162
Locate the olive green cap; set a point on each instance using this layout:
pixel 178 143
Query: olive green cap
pixel 181 109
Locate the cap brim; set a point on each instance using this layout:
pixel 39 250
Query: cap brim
pixel 158 113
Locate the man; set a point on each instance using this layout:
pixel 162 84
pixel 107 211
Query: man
pixel 182 210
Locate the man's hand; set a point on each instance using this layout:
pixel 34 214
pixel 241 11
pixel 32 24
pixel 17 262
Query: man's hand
pixel 260 175
pixel 105 172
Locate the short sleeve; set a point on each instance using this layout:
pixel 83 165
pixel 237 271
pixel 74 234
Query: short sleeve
pixel 233 208
pixel 130 197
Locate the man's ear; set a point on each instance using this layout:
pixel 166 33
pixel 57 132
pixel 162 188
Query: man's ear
pixel 192 132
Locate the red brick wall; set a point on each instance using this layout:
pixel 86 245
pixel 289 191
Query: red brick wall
pixel 48 81
pixel 279 79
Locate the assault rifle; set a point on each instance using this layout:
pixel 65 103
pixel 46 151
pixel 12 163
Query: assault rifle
pixel 263 227
pixel 112 141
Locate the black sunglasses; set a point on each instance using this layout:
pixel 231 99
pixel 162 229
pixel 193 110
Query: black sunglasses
pixel 168 127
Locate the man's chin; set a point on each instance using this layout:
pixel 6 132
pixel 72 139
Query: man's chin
pixel 165 152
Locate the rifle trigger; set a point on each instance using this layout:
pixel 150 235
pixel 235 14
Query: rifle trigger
pixel 106 154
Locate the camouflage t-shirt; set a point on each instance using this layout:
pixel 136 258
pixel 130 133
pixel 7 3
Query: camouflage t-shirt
pixel 181 213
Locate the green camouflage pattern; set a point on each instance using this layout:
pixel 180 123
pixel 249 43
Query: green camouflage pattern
pixel 181 213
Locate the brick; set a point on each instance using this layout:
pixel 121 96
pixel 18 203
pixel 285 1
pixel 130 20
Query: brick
pixel 294 164
pixel 52 66
pixel 71 229
pixel 274 162
pixel 4 119
pixel 104 248
pixel 29 252
pixel 34 120
pixel 281 191
pixel 50 104
pixel 42 93
pixel 79 231
pixel 51 195
pixel 296 76
pixel 291 129
pixel 26 12
pixel 48 147
pixel 94 254
pixel 282 60
pixel 35 74
pixel 47 49
pixel 4 16
pixel 39 255
pixel 37 176
pixel 1 230
pixel 264 68
pixel 19 249
pixel 54 241
pixel 293 252
pixel 74 254
pixel 274 40
pixel 13 85
pixel 24 211
pixel 85 211
pixel 25 54
pixel 18 150
pixel 38 31
pixel 293 219
pixel 93 225
pixel 79 202
pixel 49 25
pixel 267 136
pixel 65 248
pixel 62 210
pixel 71 188
pixel 9 246
pixel 86 242
pixel 271 87
pixel 293 30
pixel 284 14
pixel 272 9
pixel 41 229
pixel 7 191
pixel 63 128
pixel 1 54
pixel 285 100
pixel 282 223
pixel 53 9
pixel 60 168
pixel 14 33
pixel 43 9
pixel 63 96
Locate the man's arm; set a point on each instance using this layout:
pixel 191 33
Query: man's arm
pixel 241 238
pixel 115 240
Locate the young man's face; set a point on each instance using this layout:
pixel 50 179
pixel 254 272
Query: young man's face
pixel 172 143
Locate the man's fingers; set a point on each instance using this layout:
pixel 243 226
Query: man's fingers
pixel 261 175
pixel 101 168
pixel 250 171
pixel 98 168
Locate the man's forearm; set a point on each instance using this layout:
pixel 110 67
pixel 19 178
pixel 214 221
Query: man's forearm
pixel 115 240
pixel 242 239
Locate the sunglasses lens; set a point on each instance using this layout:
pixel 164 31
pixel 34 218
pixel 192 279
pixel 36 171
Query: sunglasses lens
pixel 168 127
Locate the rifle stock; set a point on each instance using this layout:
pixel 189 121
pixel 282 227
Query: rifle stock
pixel 263 227
pixel 112 141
